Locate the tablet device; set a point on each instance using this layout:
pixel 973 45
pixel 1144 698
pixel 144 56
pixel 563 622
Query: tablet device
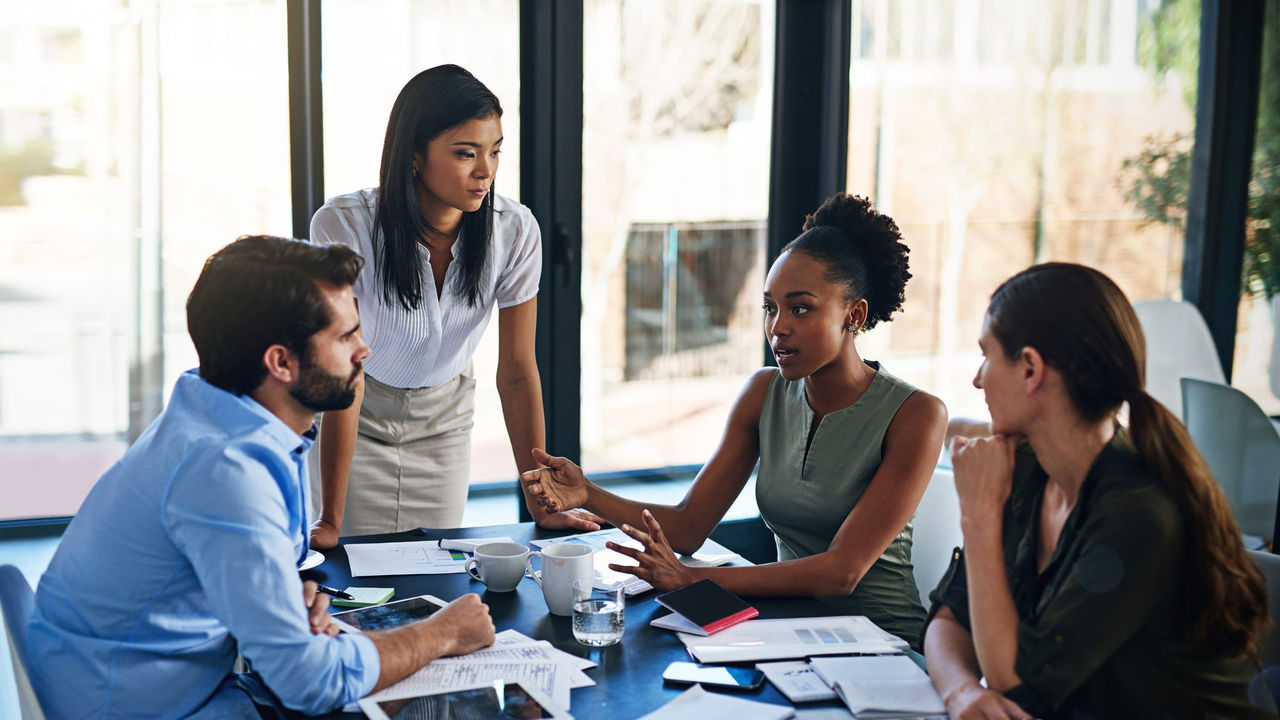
pixel 497 700
pixel 395 614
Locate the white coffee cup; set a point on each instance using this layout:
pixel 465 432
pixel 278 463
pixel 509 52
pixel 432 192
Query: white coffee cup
pixel 562 563
pixel 499 565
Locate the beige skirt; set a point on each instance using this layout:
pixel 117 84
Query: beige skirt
pixel 412 458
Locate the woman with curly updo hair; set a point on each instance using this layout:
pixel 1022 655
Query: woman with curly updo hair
pixel 845 449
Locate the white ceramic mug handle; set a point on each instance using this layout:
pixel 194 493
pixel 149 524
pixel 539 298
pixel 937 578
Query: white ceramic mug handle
pixel 472 564
pixel 528 566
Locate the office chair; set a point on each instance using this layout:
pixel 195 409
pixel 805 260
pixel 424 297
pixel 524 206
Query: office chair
pixel 1242 448
pixel 1178 345
pixel 15 601
pixel 936 532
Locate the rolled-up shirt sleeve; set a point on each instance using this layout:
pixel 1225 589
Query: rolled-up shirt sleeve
pixel 226 510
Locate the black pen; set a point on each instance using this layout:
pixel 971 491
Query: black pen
pixel 336 593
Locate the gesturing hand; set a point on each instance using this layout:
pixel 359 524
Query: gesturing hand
pixel 318 610
pixel 559 485
pixel 983 470
pixel 658 562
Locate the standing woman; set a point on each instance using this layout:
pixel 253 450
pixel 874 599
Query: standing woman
pixel 845 449
pixel 441 249
pixel 1102 575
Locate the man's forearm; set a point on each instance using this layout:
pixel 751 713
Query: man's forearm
pixel 406 649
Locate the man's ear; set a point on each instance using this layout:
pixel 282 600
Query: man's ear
pixel 281 363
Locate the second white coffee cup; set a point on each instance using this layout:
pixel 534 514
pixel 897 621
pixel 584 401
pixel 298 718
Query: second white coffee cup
pixel 562 564
pixel 499 565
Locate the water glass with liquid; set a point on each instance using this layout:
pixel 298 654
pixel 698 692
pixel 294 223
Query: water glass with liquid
pixel 599 617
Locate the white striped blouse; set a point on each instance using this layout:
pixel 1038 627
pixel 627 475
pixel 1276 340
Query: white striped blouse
pixel 433 344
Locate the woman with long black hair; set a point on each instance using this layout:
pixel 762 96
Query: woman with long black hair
pixel 441 250
pixel 1103 575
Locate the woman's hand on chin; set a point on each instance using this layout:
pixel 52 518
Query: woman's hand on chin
pixel 983 470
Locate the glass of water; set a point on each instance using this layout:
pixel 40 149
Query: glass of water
pixel 598 612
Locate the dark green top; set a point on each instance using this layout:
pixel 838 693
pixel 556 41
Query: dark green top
pixel 1099 632
pixel 806 490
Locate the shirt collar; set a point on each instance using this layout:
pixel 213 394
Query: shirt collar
pixel 231 410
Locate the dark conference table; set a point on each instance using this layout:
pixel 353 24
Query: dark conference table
pixel 628 675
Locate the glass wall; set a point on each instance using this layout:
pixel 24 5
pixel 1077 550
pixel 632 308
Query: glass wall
pixel 677 100
pixel 135 139
pixel 369 51
pixel 999 133
pixel 1256 369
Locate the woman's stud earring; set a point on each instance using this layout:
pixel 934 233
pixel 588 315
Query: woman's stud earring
pixel 852 328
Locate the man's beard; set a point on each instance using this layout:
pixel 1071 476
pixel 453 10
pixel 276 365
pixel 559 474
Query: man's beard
pixel 319 391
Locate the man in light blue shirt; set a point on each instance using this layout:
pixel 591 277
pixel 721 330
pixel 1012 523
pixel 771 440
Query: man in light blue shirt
pixel 186 551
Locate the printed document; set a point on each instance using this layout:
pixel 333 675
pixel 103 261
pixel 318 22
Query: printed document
pixel 793 638
pixel 418 557
pixel 797 680
pixel 884 686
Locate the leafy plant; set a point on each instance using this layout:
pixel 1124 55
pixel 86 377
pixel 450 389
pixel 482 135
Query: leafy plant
pixel 1155 180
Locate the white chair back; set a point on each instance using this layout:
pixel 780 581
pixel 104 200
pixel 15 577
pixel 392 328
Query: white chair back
pixel 1242 449
pixel 1274 370
pixel 936 532
pixel 1178 345
pixel 15 602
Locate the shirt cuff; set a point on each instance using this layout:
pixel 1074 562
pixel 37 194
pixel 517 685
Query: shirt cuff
pixel 364 667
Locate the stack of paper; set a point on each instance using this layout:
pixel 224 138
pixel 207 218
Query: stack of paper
pixel 887 686
pixel 793 638
pixel 711 554
pixel 512 657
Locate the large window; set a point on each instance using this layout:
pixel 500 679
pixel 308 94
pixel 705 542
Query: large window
pixel 1009 134
pixel 139 136
pixel 370 50
pixel 677 99
pixel 1256 366
pixel 135 139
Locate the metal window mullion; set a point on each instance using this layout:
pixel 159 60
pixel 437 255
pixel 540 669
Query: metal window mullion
pixel 1221 160
pixel 551 65
pixel 306 127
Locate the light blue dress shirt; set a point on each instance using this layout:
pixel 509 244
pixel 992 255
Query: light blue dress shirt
pixel 185 549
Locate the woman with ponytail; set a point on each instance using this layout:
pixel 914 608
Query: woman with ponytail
pixel 845 449
pixel 1102 574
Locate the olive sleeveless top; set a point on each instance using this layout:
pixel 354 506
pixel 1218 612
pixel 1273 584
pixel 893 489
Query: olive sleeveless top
pixel 804 497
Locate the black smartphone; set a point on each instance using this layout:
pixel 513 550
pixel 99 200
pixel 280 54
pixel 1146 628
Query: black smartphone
pixel 721 676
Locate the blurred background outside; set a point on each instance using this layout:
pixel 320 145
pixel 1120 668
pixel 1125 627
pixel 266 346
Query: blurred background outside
pixel 139 136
